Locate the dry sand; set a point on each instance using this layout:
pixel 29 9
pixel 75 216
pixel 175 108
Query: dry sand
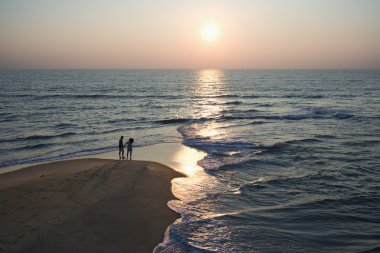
pixel 86 205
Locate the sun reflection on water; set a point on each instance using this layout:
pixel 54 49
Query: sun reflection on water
pixel 209 104
pixel 197 182
pixel 186 160
pixel 209 89
pixel 210 80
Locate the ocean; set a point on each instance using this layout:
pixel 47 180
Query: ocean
pixel 292 165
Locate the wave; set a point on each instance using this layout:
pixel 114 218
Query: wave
pixel 306 140
pixel 362 143
pixel 258 123
pixel 5 117
pixel 284 183
pixel 37 137
pixel 172 121
pixel 325 179
pixel 112 121
pixel 78 96
pixel 20 95
pixel 65 125
pixel 104 131
pixel 176 241
pixel 342 115
pixel 219 148
pixel 238 111
pixel 102 96
pixel 327 112
pixel 271 117
pixel 240 115
pixel 283 96
pixel 233 103
pixel 303 96
pixel 223 146
pixel 265 149
pixel 318 115
pixel 45 137
pixel 325 136
pixel 161 96
pixel 37 146
pixel 5 114
pixel 227 96
pixel 251 96
pixel 264 105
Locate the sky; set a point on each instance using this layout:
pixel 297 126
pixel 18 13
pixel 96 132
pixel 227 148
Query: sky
pixel 249 34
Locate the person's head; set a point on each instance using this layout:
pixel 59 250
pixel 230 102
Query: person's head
pixel 131 140
pixel 121 137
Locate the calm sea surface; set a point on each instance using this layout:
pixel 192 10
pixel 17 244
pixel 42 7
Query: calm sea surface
pixel 293 160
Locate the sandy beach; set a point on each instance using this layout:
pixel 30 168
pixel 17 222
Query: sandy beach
pixel 86 205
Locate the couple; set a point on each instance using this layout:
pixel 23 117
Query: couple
pixel 129 148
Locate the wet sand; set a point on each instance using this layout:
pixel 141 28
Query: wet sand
pixel 86 205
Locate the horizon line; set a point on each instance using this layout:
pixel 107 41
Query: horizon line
pixel 195 69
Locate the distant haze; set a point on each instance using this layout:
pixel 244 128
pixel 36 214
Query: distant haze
pixel 167 34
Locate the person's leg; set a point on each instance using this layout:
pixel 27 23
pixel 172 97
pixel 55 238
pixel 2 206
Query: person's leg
pixel 130 155
pixel 119 153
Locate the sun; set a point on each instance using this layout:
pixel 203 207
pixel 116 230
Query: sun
pixel 210 32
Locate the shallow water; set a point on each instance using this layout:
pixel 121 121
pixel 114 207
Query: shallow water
pixel 292 159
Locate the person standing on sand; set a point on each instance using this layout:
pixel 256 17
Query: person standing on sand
pixel 121 148
pixel 129 148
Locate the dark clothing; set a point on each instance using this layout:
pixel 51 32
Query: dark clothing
pixel 129 147
pixel 121 145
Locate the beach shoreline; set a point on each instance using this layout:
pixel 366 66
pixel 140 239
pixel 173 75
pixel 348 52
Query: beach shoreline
pixel 169 154
pixel 86 205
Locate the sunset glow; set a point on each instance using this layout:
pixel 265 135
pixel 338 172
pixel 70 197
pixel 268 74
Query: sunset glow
pixel 185 34
pixel 210 32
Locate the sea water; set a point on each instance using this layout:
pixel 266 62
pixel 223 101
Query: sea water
pixel 292 160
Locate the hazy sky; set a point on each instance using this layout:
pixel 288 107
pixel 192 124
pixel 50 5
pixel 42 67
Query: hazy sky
pixel 168 34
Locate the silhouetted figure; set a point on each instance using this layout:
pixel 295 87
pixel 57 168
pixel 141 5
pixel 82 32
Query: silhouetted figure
pixel 129 148
pixel 121 148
